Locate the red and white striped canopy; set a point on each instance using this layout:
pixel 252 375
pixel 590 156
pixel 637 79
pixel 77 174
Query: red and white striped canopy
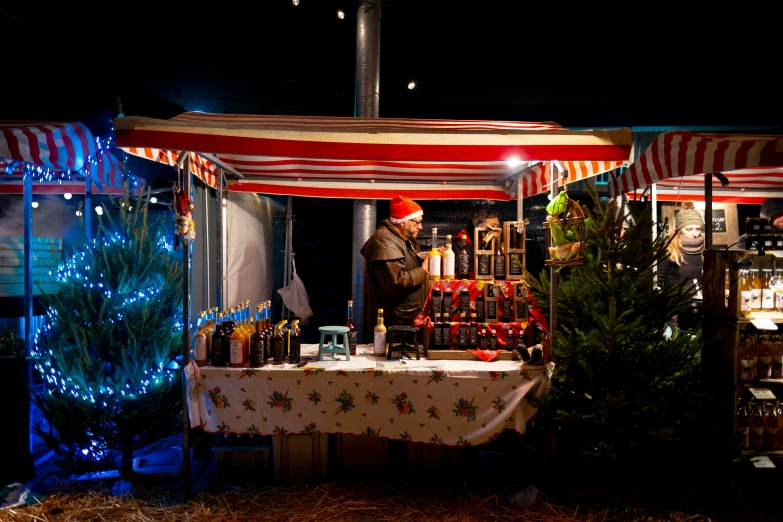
pixel 366 157
pixel 59 148
pixel 536 179
pixel 677 161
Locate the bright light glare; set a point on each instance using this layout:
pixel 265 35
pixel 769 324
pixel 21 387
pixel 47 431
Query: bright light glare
pixel 153 199
pixel 340 15
pixel 35 204
pixel 99 210
pixel 78 213
pixel 411 85
pixel 513 162
pixel 67 195
pixel 295 2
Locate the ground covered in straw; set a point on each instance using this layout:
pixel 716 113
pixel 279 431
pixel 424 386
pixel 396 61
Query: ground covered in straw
pixel 330 502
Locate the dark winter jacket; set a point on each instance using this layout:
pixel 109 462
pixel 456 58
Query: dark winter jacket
pixel 690 269
pixel 396 280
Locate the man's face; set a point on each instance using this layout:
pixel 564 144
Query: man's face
pixel 410 229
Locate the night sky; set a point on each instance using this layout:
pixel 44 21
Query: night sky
pixel 472 60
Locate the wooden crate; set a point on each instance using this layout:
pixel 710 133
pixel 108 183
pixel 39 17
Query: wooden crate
pixel 479 251
pixel 514 256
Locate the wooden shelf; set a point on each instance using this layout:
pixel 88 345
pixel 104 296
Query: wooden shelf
pixel 755 453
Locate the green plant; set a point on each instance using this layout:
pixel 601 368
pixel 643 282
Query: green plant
pixel 10 344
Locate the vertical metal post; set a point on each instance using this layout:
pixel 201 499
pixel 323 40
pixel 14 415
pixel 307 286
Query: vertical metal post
pixel 366 105
pixel 88 208
pixel 207 256
pixel 287 254
pixel 708 211
pixel 520 206
pixel 219 238
pixel 553 274
pixel 185 340
pixel 28 287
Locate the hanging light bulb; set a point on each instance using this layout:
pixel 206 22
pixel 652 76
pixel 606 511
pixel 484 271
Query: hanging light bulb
pixel 153 199
pixel 99 210
pixel 295 2
pixel 67 195
pixel 78 213
pixel 411 85
pixel 35 204
pixel 340 15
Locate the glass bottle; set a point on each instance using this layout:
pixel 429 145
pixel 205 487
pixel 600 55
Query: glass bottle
pixel 295 342
pixel 779 296
pixel 278 346
pixel 463 261
pixel 743 427
pixel 745 295
pixel 755 290
pixel 464 298
pixel 484 338
pixel 727 289
pixel 745 361
pixel 484 263
pixel 448 304
pixel 764 354
pixel 493 340
pixel 435 260
pixel 351 330
pixel 506 310
pixel 257 342
pixel 236 347
pixel 437 332
pixel 462 332
pixel 767 294
pixel 436 301
pixel 228 330
pixel 480 310
pixel 777 358
pixel 200 342
pixel 379 336
pixel 757 429
pixel 446 334
pixel 448 260
pixel 209 329
pixel 770 427
pixel 473 334
pixel 216 350
pixel 500 261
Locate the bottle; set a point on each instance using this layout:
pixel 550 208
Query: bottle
pixel 764 354
pixel 216 350
pixel 506 308
pixel 209 329
pixel 493 340
pixel 200 342
pixel 484 263
pixel 437 333
pixel 448 260
pixel 755 290
pixel 436 301
pixel 379 336
pixel 237 348
pixel 500 261
pixel 480 309
pixel 448 304
pixel 484 338
pixel 446 334
pixel 228 331
pixel 767 294
pixel 777 358
pixel 463 261
pixel 294 350
pixel 257 342
pixel 745 360
pixel 464 298
pixel 278 345
pixel 435 260
pixel 757 429
pixel 462 332
pixel 779 296
pixel 745 292
pixel 514 259
pixel 351 330
pixel 770 426
pixel 727 289
pixel 473 335
pixel 743 427
pixel 492 303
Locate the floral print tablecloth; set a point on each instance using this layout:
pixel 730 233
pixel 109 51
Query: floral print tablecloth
pixel 454 403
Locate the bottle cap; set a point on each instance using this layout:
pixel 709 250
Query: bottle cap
pixel 380 310
pixel 448 236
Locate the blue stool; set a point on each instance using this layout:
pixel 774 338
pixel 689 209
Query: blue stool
pixel 335 348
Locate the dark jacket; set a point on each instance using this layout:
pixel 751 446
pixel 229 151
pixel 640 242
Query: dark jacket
pixel 396 280
pixel 690 269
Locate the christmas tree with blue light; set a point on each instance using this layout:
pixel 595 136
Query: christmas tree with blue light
pixel 112 328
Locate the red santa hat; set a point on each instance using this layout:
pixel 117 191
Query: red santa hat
pixel 403 209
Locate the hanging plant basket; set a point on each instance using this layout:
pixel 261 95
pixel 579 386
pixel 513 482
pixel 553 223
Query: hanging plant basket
pixel 564 234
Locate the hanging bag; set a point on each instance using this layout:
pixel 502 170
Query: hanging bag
pixel 295 297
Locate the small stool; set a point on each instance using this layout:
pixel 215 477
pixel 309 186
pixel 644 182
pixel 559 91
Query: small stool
pixel 335 348
pixel 399 333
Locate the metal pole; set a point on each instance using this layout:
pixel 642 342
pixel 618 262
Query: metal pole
pixel 28 287
pixel 553 274
pixel 287 253
pixel 207 256
pixel 366 105
pixel 219 238
pixel 185 340
pixel 708 211
pixel 520 206
pixel 88 208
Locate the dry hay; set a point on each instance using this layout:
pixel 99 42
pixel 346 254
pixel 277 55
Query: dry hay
pixel 327 502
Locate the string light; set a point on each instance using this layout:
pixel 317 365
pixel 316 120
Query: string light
pixel 35 204
pixel 79 213
pixel 68 195
pixel 153 199
pixel 99 210
pixel 411 85
pixel 340 15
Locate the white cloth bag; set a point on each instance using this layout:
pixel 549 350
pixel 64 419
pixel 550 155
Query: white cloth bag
pixel 295 297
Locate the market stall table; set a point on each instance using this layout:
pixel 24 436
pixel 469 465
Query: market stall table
pixel 444 402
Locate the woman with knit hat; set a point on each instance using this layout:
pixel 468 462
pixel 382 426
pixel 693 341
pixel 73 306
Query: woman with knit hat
pixel 686 260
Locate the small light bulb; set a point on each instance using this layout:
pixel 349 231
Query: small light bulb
pixel 99 210
pixel 67 195
pixel 340 15
pixel 35 204
pixel 411 85
pixel 513 162
pixel 295 2
pixel 78 213
pixel 153 199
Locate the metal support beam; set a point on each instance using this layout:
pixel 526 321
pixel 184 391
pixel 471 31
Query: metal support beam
pixel 219 239
pixel 553 276
pixel 28 287
pixel 185 341
pixel 708 211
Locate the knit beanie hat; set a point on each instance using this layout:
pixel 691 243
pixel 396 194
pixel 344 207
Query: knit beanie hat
pixel 403 209
pixel 688 215
pixel 771 207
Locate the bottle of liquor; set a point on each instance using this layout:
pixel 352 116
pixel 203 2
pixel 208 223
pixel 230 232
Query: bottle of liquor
pixel 767 294
pixel 278 345
pixel 506 310
pixel 770 427
pixel 473 334
pixel 294 350
pixel 480 310
pixel 493 340
pixel 764 353
pixel 237 347
pixel 379 336
pixel 446 334
pixel 726 287
pixel 209 329
pixel 492 303
pixel 500 261
pixel 757 429
pixel 448 260
pixel 745 359
pixel 484 338
pixel 228 331
pixel 462 332
pixel 257 342
pixel 351 330
pixel 463 261
pixel 448 303
pixel 743 427
pixel 270 331
pixel 437 333
pixel 435 258
pixel 216 350
pixel 436 301
pixel 755 290
pixel 200 342
pixel 464 298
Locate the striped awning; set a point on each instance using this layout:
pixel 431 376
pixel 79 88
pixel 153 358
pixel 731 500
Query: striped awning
pixel 677 161
pixel 536 179
pixel 58 148
pixel 367 157
pixel 200 167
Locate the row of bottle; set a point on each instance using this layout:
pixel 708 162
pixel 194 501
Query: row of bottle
pixel 466 334
pixel 511 309
pixel 448 265
pixel 758 426
pixel 755 292
pixel 759 357
pixel 231 338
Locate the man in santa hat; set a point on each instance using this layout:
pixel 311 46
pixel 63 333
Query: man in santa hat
pixel 396 275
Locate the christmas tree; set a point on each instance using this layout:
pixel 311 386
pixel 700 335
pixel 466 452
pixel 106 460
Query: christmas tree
pixel 111 329
pixel 624 391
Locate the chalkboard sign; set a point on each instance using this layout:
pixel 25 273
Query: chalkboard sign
pixel 719 220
